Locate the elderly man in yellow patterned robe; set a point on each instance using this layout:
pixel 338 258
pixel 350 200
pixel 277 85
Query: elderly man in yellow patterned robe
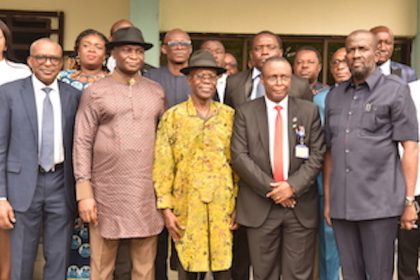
pixel 193 178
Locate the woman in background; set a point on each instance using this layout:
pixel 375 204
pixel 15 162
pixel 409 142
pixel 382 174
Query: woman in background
pixel 90 56
pixel 9 71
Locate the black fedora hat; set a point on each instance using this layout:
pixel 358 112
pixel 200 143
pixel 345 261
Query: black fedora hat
pixel 202 59
pixel 128 36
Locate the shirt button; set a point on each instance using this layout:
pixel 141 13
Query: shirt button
pixel 355 97
pixel 347 170
pixel 347 130
pixel 350 113
pixel 347 151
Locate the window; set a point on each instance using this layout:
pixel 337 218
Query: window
pixel 28 26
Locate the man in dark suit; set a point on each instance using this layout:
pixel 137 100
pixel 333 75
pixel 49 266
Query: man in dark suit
pixel 277 151
pixel 36 174
pixel 244 86
pixel 385 39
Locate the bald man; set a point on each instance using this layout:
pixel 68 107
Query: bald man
pixel 36 179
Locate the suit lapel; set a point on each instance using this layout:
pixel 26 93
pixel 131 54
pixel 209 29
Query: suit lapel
pixel 248 85
pixel 262 125
pixel 292 120
pixel 396 71
pixel 28 96
pixel 64 106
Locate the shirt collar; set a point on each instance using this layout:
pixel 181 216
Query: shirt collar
pixel 270 104
pixel 386 67
pixel 370 81
pixel 192 111
pixel 38 85
pixel 255 73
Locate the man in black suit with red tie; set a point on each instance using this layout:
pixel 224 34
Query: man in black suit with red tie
pixel 277 151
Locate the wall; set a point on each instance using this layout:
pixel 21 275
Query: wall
pixel 78 14
pixel 306 17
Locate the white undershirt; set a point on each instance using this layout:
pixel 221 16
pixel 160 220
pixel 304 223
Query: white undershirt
pixel 271 116
pixel 56 104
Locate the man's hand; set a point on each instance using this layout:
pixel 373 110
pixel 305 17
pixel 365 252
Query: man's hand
pixel 327 216
pixel 7 215
pixel 88 211
pixel 172 224
pixel 289 203
pixel 233 224
pixel 409 218
pixel 281 192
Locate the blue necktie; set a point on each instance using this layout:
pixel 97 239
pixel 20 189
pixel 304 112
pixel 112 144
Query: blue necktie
pixel 46 159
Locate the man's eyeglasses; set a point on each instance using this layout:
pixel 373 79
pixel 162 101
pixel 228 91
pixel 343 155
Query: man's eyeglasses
pixel 41 59
pixel 174 44
pixel 337 62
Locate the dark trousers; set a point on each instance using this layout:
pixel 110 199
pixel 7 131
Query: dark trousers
pixel 161 270
pixel 282 237
pixel 366 248
pixel 49 209
pixel 241 261
pixel 217 275
pixel 408 252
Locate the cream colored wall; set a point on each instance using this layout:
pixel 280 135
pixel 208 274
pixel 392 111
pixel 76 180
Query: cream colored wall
pixel 302 17
pixel 78 14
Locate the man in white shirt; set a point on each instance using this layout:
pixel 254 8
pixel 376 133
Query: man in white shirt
pixel 277 151
pixel 385 39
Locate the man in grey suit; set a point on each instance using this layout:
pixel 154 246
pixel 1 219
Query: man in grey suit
pixel 245 86
pixel 277 151
pixel 36 175
pixel 385 39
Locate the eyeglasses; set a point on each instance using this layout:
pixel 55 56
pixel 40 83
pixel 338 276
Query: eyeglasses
pixel 337 62
pixel 174 44
pixel 274 79
pixel 202 78
pixel 41 59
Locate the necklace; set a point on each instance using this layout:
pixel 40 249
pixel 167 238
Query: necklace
pixel 88 78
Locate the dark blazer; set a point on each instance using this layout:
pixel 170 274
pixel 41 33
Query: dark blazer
pixel 251 161
pixel 405 72
pixel 239 88
pixel 19 142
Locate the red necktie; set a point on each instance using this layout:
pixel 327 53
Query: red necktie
pixel 278 146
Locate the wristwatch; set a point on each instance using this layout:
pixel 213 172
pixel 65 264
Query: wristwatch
pixel 409 200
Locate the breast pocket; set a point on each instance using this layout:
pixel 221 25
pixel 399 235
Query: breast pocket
pixel 376 120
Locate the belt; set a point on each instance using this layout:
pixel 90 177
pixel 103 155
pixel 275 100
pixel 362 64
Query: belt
pixel 53 169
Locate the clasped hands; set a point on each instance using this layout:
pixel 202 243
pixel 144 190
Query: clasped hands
pixel 282 193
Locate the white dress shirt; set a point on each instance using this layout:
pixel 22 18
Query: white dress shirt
pixel 57 112
pixel 221 86
pixel 271 116
pixel 255 81
pixel 386 67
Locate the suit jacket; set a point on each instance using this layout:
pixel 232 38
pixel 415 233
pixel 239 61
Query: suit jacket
pixel 239 88
pixel 19 142
pixel 406 73
pixel 251 161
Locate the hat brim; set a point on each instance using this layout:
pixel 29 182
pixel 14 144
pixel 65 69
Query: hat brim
pixel 146 46
pixel 187 70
